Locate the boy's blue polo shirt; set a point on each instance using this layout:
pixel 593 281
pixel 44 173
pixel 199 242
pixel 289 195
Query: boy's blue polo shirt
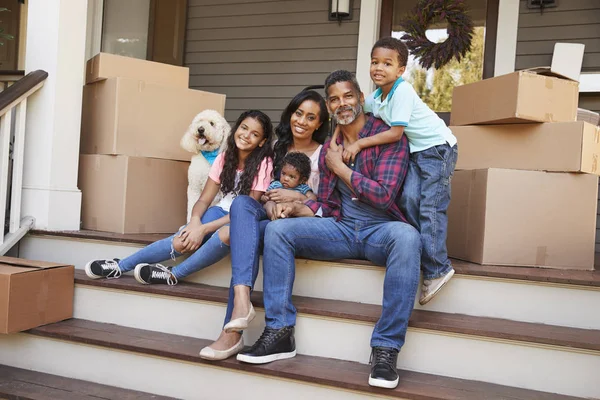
pixel 403 107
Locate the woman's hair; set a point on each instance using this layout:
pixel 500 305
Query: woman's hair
pixel 254 160
pixel 284 130
pixel 300 162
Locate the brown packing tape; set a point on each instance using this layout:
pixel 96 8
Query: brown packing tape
pixel 541 255
pixel 594 162
pixel 43 298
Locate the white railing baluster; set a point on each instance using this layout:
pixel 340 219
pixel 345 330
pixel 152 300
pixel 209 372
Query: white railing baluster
pixel 17 182
pixel 5 123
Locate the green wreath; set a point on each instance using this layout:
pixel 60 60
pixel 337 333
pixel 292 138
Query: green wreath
pixel 460 32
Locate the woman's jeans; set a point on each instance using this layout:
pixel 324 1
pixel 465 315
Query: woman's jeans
pixel 211 251
pixel 248 223
pixel 424 202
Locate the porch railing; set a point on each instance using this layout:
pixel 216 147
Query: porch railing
pixel 15 90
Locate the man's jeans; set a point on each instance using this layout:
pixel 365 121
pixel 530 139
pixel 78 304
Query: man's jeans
pixel 424 202
pixel 394 244
pixel 248 222
pixel 211 251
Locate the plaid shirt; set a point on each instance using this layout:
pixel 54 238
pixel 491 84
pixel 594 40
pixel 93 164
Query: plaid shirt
pixel 377 179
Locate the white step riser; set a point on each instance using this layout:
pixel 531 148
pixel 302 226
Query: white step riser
pixel 153 374
pixel 463 356
pixel 510 299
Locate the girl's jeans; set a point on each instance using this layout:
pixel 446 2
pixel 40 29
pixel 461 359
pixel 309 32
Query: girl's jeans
pixel 424 202
pixel 211 251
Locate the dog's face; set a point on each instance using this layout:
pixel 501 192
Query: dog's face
pixel 207 132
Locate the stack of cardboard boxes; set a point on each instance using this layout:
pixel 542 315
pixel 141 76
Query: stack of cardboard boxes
pixel 132 171
pixel 525 189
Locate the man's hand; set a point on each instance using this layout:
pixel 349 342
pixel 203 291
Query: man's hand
pixel 191 236
pixel 334 159
pixel 351 151
pixel 284 195
pixel 285 210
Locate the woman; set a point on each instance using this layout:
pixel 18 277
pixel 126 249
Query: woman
pixel 303 127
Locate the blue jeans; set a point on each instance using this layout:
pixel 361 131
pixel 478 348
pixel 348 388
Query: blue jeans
pixel 211 251
pixel 248 223
pixel 395 245
pixel 424 202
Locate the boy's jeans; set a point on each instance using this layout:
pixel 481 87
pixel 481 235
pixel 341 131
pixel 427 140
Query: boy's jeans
pixel 211 251
pixel 425 199
pixel 395 245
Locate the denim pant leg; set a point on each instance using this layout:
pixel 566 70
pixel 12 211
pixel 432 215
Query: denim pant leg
pixel 411 193
pixel 248 223
pixel 211 250
pixel 153 253
pixel 436 167
pixel 397 246
pixel 316 238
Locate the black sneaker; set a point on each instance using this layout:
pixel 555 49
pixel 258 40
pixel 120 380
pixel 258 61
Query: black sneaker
pixel 383 368
pixel 274 344
pixel 154 273
pixel 103 269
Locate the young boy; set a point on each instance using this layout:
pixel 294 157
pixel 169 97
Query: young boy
pixel 294 175
pixel 433 153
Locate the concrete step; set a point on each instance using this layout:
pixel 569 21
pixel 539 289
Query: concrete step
pixel 485 349
pixel 169 365
pixel 537 295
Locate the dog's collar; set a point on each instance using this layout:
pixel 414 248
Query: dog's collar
pixel 210 155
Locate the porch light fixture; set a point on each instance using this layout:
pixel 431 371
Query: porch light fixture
pixel 541 4
pixel 340 10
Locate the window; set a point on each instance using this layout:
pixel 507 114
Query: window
pixel 435 86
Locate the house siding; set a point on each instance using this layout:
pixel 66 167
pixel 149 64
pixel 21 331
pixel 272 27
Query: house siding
pixel 260 53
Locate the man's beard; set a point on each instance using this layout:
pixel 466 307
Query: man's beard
pixel 350 119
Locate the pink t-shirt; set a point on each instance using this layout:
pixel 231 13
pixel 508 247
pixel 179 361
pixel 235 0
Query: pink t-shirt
pixel 261 181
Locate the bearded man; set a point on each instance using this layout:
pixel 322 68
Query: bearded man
pixel 355 216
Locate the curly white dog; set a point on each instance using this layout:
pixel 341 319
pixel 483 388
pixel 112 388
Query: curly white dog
pixel 205 138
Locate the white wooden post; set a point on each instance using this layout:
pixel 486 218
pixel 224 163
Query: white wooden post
pixel 5 122
pixel 17 183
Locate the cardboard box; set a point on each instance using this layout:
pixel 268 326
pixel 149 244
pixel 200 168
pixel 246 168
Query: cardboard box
pixel 564 146
pixel 34 293
pixel 523 218
pixel 105 65
pixel 124 194
pixel 130 117
pixel 518 97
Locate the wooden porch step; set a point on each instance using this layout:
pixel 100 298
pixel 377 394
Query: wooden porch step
pixel 586 339
pixel 328 372
pixel 569 277
pixel 22 384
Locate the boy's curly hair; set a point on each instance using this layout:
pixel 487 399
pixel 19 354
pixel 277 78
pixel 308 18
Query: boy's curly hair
pixel 301 162
pixel 393 44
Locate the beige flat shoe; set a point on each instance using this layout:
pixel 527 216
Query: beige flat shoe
pixel 239 324
pixel 208 353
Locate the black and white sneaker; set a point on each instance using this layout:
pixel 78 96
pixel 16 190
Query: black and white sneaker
pixel 383 368
pixel 154 273
pixel 273 344
pixel 103 269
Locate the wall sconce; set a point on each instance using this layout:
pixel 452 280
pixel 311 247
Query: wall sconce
pixel 340 10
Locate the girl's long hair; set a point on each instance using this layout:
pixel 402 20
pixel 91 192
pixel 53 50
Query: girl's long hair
pixel 254 160
pixel 285 137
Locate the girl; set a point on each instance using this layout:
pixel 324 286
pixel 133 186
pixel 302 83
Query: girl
pixel 244 168
pixel 303 128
